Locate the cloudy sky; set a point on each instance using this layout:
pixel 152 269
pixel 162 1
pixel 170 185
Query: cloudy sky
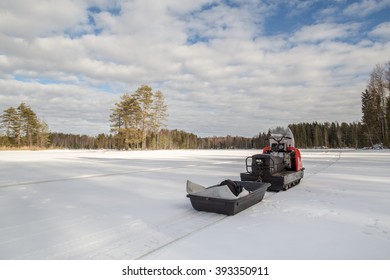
pixel 225 67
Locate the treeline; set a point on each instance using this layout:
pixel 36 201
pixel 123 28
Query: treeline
pixel 168 139
pixel 307 135
pixel 329 135
pixel 233 142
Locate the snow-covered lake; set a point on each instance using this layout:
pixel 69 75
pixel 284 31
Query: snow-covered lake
pixel 133 205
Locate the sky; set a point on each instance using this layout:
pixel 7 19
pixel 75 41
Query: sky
pixel 225 67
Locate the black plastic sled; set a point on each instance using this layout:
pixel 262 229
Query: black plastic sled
pixel 223 198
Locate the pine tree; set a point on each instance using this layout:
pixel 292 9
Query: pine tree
pixel 144 96
pixel 125 121
pixel 10 121
pixel 29 123
pixel 159 115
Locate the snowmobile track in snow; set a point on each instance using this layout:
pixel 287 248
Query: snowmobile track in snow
pixel 193 222
pixel 89 176
pixel 115 243
pixel 148 240
pixel 80 177
pixel 323 165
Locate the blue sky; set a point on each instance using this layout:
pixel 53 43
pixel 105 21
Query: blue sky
pixel 225 67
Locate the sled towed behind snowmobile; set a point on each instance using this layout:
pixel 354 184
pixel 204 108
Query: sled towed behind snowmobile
pixel 229 197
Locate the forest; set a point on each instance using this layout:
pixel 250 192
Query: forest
pixel 138 121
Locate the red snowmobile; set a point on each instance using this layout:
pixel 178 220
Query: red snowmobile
pixel 279 167
pixel 280 163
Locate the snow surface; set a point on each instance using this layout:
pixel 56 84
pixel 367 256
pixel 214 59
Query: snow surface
pixel 132 205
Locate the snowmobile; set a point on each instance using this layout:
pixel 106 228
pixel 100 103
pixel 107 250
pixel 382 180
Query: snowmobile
pixel 280 163
pixel 279 167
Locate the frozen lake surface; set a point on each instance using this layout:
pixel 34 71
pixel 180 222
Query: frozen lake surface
pixel 133 205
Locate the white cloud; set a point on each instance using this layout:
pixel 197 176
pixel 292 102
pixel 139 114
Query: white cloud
pixel 382 31
pixel 366 7
pixel 325 31
pixel 66 108
pixel 40 18
pixel 237 81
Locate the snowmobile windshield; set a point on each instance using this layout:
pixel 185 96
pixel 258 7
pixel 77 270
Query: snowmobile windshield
pixel 283 135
